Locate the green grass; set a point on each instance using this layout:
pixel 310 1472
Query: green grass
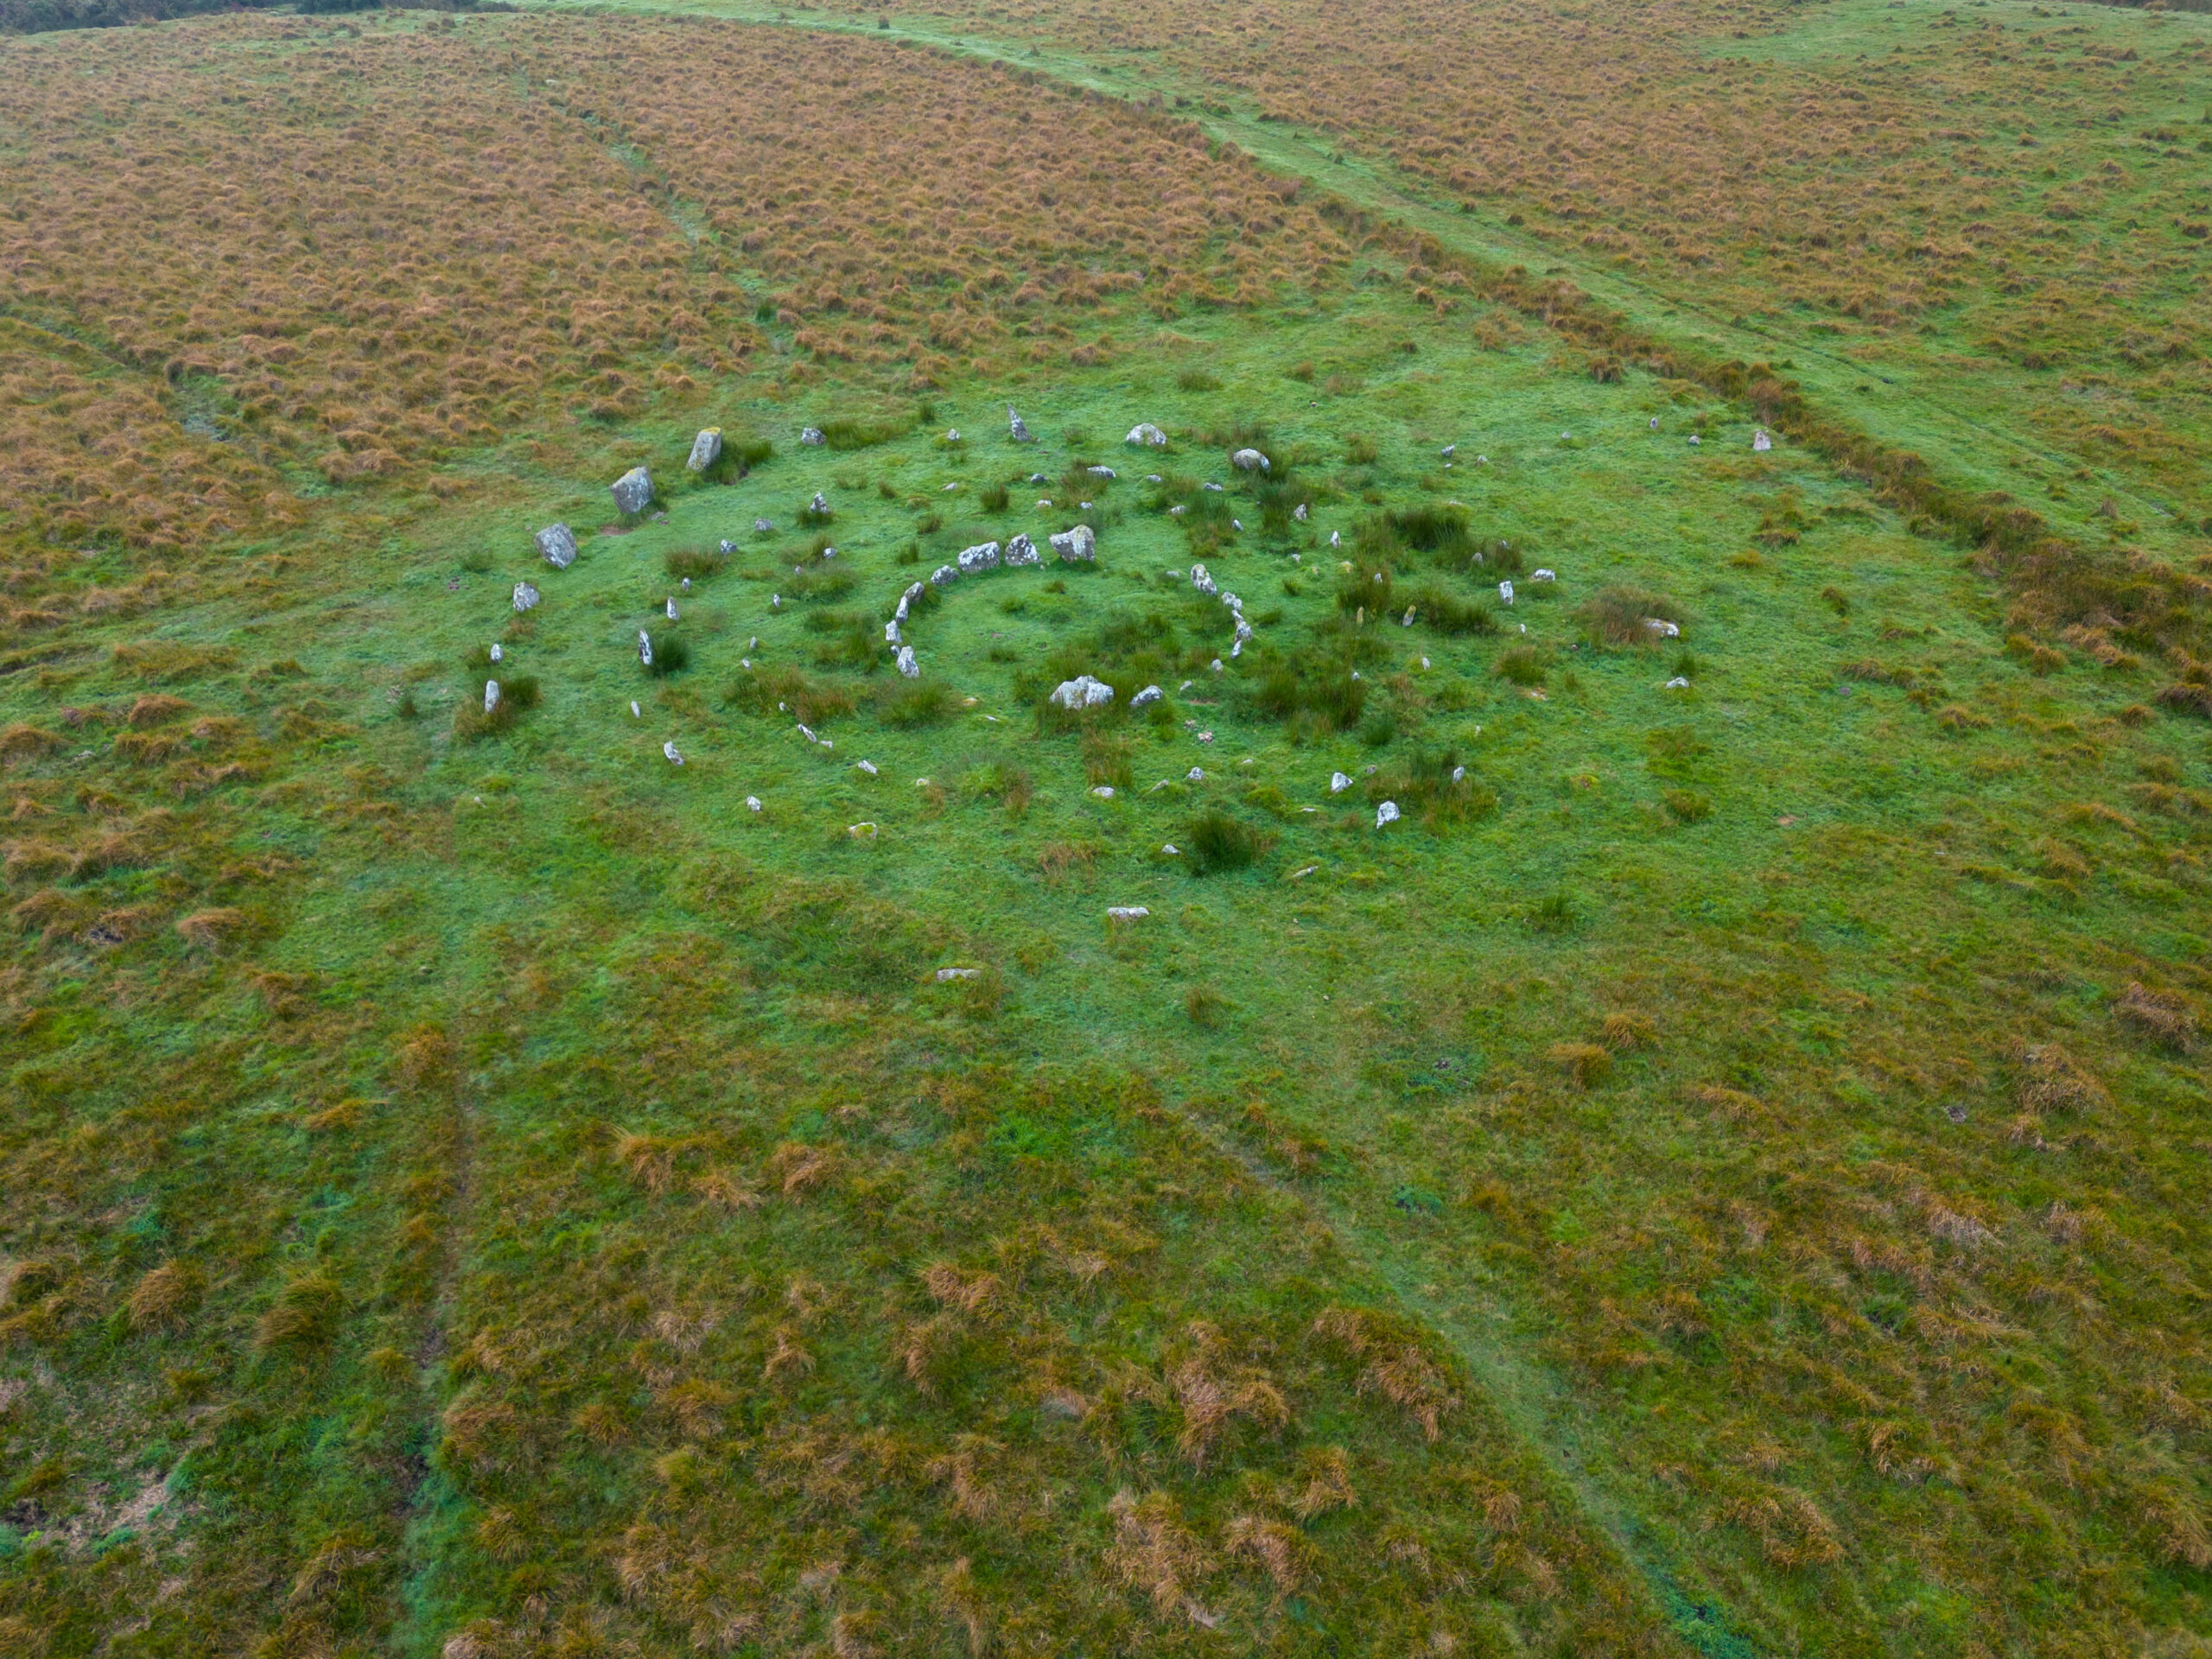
pixel 499 1182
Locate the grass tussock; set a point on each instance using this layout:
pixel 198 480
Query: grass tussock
pixel 1215 842
pixel 1618 616
pixel 790 693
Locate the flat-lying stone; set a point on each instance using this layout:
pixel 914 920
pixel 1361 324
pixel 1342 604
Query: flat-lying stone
pixel 1126 913
pixel 1144 432
pixel 983 557
pixel 1250 460
pixel 1147 698
pixel 1339 783
pixel 634 491
pixel 557 543
pixel 812 434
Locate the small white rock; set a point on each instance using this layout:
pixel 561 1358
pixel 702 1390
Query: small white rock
pixel 946 974
pixel 497 655
pixel 491 695
pixel 1195 775
pixel 1147 698
pixel 1339 783
pixel 1678 683
pixel 810 434
pixel 1126 913
pixel 1543 576
pixel 669 749
pixel 1104 791
pixel 645 648
pixel 868 766
pixel 1506 592
pixel 753 803
pixel 526 597
pixel 1386 813
pixel 1248 460
pixel 634 715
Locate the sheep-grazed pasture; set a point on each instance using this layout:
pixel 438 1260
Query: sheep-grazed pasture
pixel 1711 1170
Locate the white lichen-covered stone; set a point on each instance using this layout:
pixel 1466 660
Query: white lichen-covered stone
pixel 1103 791
pixel 1662 629
pixel 1104 471
pixel 975 559
pixel 1298 512
pixel 944 575
pixel 1761 442
pixel 1386 813
pixel 706 449
pixel 946 975
pixel 1506 592
pixel 499 653
pixel 1543 576
pixel 1202 581
pixel 1250 460
pixel 669 749
pixel 868 766
pixel 557 544
pixel 820 505
pixel 763 526
pixel 1020 552
pixel 1195 775
pixel 1082 692
pixel 1074 546
pixel 1449 450
pixel 1145 434
pixel 1678 683
pixel 1339 783
pixel 670 607
pixel 634 491
pixel 891 634
pixel 1127 912
pixel 753 803
pixel 526 597
pixel 1016 427
pixel 491 695
pixel 645 648
pixel 907 665
pixel 812 434
pixel 1147 698
pixel 1406 621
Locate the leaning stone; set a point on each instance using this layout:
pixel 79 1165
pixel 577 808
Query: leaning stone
pixel 1147 698
pixel 669 749
pixel 1339 783
pixel 1250 460
pixel 907 665
pixel 1386 813
pixel 1021 550
pixel 525 596
pixel 1144 432
pixel 1013 424
pixel 491 695
pixel 671 607
pixel 634 491
pixel 812 434
pixel 945 574
pixel 558 543
pixel 1082 692
pixel 984 557
pixel 1075 545
pixel 706 449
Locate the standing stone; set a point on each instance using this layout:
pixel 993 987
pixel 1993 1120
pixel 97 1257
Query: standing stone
pixel 891 634
pixel 1298 512
pixel 907 665
pixel 634 491
pixel 525 596
pixel 1145 433
pixel 558 543
pixel 671 607
pixel 1506 592
pixel 1386 813
pixel 669 750
pixel 1760 442
pixel 1082 692
pixel 1075 546
pixel 491 695
pixel 645 648
pixel 1339 783
pixel 706 449
pixel 1013 425
pixel 1250 460
pixel 1021 550
pixel 820 504
pixel 499 655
